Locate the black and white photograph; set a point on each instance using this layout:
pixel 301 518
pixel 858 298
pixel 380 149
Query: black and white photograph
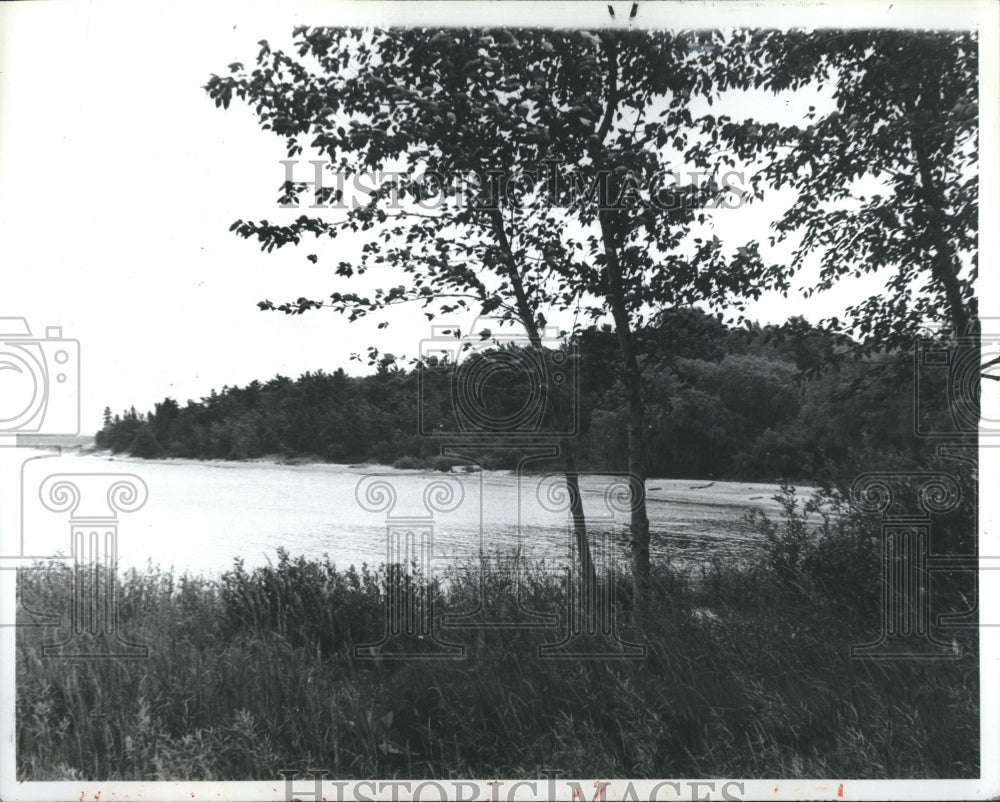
pixel 499 400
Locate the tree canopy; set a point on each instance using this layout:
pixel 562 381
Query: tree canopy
pixel 887 181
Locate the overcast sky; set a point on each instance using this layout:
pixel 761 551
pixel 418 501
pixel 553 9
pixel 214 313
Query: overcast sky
pixel 119 180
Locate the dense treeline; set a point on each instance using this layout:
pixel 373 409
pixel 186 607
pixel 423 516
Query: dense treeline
pixel 789 401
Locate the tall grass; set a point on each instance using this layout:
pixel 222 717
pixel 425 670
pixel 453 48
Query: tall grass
pixel 747 674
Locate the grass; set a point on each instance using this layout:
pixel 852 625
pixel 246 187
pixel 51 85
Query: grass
pixel 747 674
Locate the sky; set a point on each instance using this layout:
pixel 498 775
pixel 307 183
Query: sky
pixel 119 180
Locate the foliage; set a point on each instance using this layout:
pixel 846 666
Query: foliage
pixel 887 180
pixel 255 672
pixel 498 108
pixel 747 407
pixel 507 111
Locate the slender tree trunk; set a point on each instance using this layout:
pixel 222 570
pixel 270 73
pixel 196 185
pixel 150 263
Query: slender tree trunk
pixel 632 378
pixel 588 574
pixel 554 414
pixel 637 484
pixel 615 295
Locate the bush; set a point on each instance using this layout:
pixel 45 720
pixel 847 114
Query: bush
pixel 823 550
pixel 259 669
pixel 788 544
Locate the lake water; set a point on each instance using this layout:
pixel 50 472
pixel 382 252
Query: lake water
pixel 199 516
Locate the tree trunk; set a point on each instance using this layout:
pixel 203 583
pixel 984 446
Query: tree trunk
pixel 632 378
pixel 637 485
pixel 639 525
pixel 554 414
pixel 631 375
pixel 588 574
pixel 945 265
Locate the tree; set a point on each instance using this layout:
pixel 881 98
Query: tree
pixel 906 118
pixel 163 419
pixel 145 444
pixel 103 438
pixel 643 257
pixel 373 105
pixel 518 112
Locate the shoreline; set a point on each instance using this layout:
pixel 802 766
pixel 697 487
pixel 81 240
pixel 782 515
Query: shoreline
pixel 767 486
pixel 717 492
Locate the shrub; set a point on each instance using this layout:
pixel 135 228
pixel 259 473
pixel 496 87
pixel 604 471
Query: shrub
pixel 822 549
pixel 258 669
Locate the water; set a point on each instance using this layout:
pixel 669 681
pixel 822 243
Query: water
pixel 199 516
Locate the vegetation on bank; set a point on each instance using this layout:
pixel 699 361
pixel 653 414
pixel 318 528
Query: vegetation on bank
pixel 723 402
pixel 747 674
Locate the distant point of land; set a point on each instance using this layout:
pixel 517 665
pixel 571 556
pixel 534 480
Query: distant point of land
pixel 82 442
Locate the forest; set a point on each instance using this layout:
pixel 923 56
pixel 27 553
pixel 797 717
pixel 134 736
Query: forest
pixel 776 402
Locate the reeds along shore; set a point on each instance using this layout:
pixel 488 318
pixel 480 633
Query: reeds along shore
pixel 747 673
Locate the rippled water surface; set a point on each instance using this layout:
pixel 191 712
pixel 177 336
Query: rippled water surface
pixel 199 516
